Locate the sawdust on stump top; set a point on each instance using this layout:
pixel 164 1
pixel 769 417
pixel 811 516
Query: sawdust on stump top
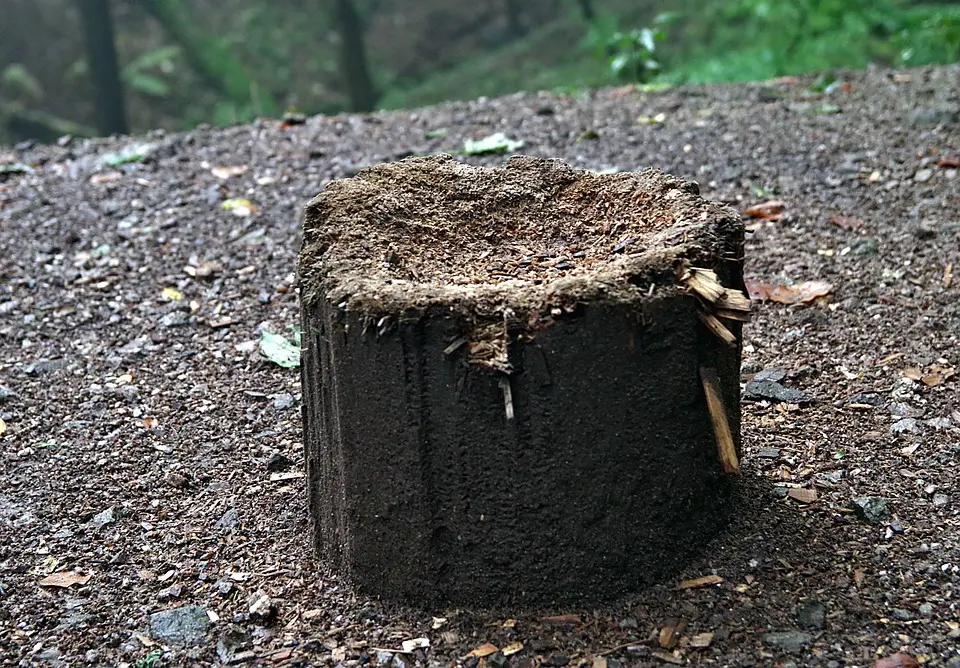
pixel 515 386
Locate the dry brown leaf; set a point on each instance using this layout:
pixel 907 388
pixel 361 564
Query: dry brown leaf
pixel 150 422
pixel 858 576
pixel 947 275
pixel 105 177
pixel 562 620
pixel 949 161
pixel 803 495
pixel 798 293
pixel 486 649
pixel 771 210
pixel 696 583
pixel 847 222
pixel 898 660
pixel 932 379
pixel 701 640
pixel 64 579
pixel 912 372
pixel 512 648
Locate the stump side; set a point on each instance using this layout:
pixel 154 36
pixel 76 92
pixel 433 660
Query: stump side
pixel 606 479
pixel 600 472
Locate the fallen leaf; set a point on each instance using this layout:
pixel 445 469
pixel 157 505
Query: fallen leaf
pixel 846 222
pixel 64 579
pixel 803 495
pixel 562 620
pixel 912 372
pixel 150 422
pixel 949 161
pixel 239 207
pixel 512 648
pixel 125 156
pixel 486 649
pixel 279 350
pixel 495 143
pixel 696 583
pixel 932 379
pixel 227 172
pixel 798 293
pixel 947 275
pixel 701 640
pixel 415 643
pixel 3 427
pixel 438 622
pixel 771 210
pixel 858 576
pixel 106 177
pixel 898 660
pixel 171 295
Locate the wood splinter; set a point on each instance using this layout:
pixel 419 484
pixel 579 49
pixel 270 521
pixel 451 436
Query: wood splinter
pixel 718 417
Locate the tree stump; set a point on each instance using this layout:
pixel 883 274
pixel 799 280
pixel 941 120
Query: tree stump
pixel 521 384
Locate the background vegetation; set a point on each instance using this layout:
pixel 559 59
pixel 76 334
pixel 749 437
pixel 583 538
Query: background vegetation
pixel 85 67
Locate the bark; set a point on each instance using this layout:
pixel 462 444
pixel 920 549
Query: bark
pixel 512 10
pixel 104 69
pixel 354 70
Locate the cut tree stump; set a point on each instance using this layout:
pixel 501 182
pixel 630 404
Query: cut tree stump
pixel 520 384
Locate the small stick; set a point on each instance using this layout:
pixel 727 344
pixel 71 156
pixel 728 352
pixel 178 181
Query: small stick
pixel 718 417
pixel 507 396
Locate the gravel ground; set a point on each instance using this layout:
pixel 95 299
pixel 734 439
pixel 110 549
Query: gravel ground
pixel 152 509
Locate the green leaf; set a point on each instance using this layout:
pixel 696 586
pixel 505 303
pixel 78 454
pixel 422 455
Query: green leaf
pixel 127 155
pixel 150 659
pixel 17 79
pixel 279 350
pixel 495 143
pixel 148 84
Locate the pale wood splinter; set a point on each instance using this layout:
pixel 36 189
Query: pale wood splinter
pixel 718 417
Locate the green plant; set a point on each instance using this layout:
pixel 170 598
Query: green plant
pixel 631 54
pixel 145 73
pixel 150 659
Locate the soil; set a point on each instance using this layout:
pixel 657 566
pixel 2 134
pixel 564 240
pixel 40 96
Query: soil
pixel 148 446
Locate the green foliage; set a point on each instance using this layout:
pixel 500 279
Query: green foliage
pixel 495 143
pixel 17 83
pixel 149 659
pixel 629 54
pixel 279 350
pixel 147 73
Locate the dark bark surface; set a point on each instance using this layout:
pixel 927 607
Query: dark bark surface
pixel 354 70
pixel 101 51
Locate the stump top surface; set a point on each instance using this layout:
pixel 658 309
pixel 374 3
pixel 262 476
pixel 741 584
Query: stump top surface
pixel 434 230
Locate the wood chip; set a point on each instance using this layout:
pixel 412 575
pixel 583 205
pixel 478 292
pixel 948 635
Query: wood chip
pixel 671 658
pixel 770 210
pixel 486 649
pixel 803 495
pixel 512 648
pixel 697 583
pixel 701 640
pixel 64 579
pixel 562 620
pixel 717 328
pixel 726 448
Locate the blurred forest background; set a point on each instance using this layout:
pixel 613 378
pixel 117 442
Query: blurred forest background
pixel 87 67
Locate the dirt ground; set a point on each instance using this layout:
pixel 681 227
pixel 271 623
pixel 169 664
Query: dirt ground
pixel 152 457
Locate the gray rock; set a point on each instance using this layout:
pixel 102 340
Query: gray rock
pixel 788 641
pixel 278 462
pixel 812 615
pixel 923 175
pixel 186 625
pixel 175 319
pixel 628 623
pixel 902 615
pixel 384 658
pixel 769 453
pixel 230 520
pixel 776 375
pixel 104 518
pixel 905 426
pixel 866 398
pixel 223 587
pixel 45 366
pixel 926 609
pixel 940 499
pixel 774 391
pixel 231 643
pixel 261 607
pixel 831 478
pixel 938 424
pixel 865 247
pixel 901 409
pixel 6 393
pixel 871 509
pixel 933 116
pixel 283 401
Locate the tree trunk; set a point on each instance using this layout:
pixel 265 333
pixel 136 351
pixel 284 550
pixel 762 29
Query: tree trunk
pixel 514 25
pixel 354 70
pixel 586 10
pixel 213 63
pixel 104 70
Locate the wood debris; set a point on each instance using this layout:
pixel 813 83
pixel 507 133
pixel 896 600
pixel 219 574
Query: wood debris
pixel 726 448
pixel 697 583
pixel 716 301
